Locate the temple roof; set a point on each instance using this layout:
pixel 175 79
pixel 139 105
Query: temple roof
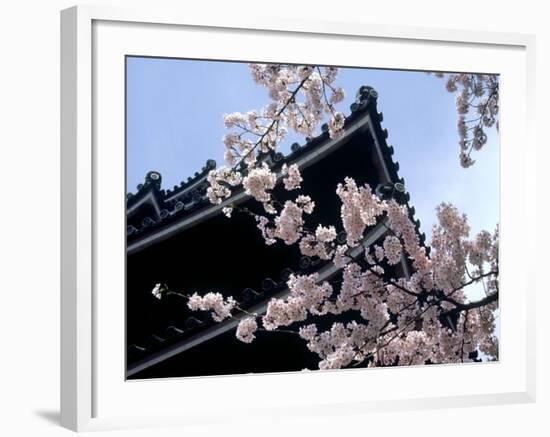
pixel 158 207
pixel 152 210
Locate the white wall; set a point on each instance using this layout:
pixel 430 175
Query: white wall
pixel 29 218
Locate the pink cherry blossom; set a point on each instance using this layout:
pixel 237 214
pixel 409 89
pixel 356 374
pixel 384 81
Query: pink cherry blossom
pixel 246 329
pixel 414 318
pixel 293 177
pixel 221 308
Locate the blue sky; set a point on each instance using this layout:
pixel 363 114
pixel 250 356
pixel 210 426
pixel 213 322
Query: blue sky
pixel 174 124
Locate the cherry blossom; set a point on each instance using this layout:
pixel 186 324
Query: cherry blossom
pixel 409 301
pixel 307 296
pixel 220 182
pixel 246 329
pixel 288 225
pixel 293 177
pixel 221 308
pixel 157 291
pixel 360 208
pixel 325 234
pixel 392 249
pixel 392 309
pixel 476 95
pixel 259 182
pixel 227 211
pixel 301 98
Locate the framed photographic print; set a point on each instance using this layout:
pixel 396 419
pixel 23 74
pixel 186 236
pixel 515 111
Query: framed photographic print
pixel 276 207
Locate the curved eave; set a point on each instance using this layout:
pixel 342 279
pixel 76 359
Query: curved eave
pixel 303 160
pixel 363 117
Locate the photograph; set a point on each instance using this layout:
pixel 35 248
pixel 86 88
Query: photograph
pixel 294 218
pixel 291 219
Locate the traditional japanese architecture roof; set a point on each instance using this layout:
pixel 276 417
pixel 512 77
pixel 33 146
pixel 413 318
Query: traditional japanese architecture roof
pixel 155 214
pixel 159 207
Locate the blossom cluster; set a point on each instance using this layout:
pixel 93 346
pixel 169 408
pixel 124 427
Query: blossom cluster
pixel 220 308
pixel 413 318
pixel 259 182
pixel 246 329
pixel 307 295
pixel 423 317
pixel 336 347
pixel 158 291
pixel 448 242
pixel 478 95
pixel 287 225
pixel 392 249
pixel 315 86
pixel 293 178
pixel 319 244
pixel 220 183
pixel 401 317
pixel 360 208
pixel 302 97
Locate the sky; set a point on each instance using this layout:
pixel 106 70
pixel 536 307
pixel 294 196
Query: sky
pixel 175 113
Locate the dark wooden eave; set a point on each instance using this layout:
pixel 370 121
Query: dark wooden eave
pixel 186 205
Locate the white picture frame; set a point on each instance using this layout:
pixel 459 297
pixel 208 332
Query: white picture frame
pixel 89 400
